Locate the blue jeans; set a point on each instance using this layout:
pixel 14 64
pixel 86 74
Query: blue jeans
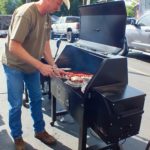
pixel 15 86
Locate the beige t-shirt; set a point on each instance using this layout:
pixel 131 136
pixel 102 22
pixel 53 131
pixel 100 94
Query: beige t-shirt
pixel 32 30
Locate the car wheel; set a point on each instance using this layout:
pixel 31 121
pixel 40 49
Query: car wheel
pixel 3 36
pixel 125 50
pixel 70 38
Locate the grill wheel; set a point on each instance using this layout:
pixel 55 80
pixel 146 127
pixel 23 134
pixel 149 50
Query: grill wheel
pixel 70 38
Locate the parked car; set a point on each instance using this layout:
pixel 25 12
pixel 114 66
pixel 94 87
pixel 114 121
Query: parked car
pixel 138 34
pixel 131 20
pixel 4 25
pixel 67 26
pixel 54 19
pixel 3 33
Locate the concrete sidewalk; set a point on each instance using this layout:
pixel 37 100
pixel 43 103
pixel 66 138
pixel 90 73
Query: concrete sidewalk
pixel 65 132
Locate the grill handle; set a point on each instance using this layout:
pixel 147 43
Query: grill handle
pixel 125 114
pixel 133 113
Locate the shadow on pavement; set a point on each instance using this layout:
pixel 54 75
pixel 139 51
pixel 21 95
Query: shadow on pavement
pixel 139 73
pixel 6 142
pixel 72 128
pixel 134 143
pixel 66 123
pixel 1 121
pixel 29 147
pixel 139 56
pixel 93 141
pixel 59 146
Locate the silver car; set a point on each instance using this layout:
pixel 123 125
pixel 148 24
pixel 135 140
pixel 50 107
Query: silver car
pixel 138 34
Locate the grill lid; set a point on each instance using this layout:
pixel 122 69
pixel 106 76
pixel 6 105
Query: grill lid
pixel 102 26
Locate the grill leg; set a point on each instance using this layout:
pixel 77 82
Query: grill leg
pixel 117 147
pixel 148 146
pixel 49 85
pixel 53 110
pixel 83 133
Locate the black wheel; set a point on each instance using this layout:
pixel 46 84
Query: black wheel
pixel 3 36
pixel 52 124
pixel 125 50
pixel 25 103
pixel 148 146
pixel 70 38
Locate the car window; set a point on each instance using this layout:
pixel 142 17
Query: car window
pixel 144 21
pixel 60 20
pixel 72 19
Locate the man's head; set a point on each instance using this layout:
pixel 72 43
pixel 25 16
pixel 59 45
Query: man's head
pixel 52 6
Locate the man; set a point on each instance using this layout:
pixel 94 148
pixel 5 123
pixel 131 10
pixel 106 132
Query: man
pixel 27 42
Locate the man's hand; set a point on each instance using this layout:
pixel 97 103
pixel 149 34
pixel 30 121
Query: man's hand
pixel 59 72
pixel 52 71
pixel 46 70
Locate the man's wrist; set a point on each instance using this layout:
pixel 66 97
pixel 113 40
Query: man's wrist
pixel 54 66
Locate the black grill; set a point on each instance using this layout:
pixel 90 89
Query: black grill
pixel 108 105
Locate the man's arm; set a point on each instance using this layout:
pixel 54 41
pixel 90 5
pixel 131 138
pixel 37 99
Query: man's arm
pixel 48 54
pixel 16 49
pixel 50 60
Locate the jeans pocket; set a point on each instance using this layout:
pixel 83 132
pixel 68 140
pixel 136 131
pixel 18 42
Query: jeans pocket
pixel 10 70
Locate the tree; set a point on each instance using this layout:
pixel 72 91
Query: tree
pixel 74 11
pixel 131 8
pixel 130 11
pixel 8 6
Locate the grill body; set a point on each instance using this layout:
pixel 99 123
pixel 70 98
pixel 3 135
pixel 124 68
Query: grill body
pixel 108 105
pixel 118 110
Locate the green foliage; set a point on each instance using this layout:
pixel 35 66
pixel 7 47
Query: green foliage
pixel 8 6
pixel 74 9
pixel 131 8
pixel 130 11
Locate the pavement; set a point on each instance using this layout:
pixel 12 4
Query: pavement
pixel 65 131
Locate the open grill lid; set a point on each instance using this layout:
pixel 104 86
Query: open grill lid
pixel 105 70
pixel 102 27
